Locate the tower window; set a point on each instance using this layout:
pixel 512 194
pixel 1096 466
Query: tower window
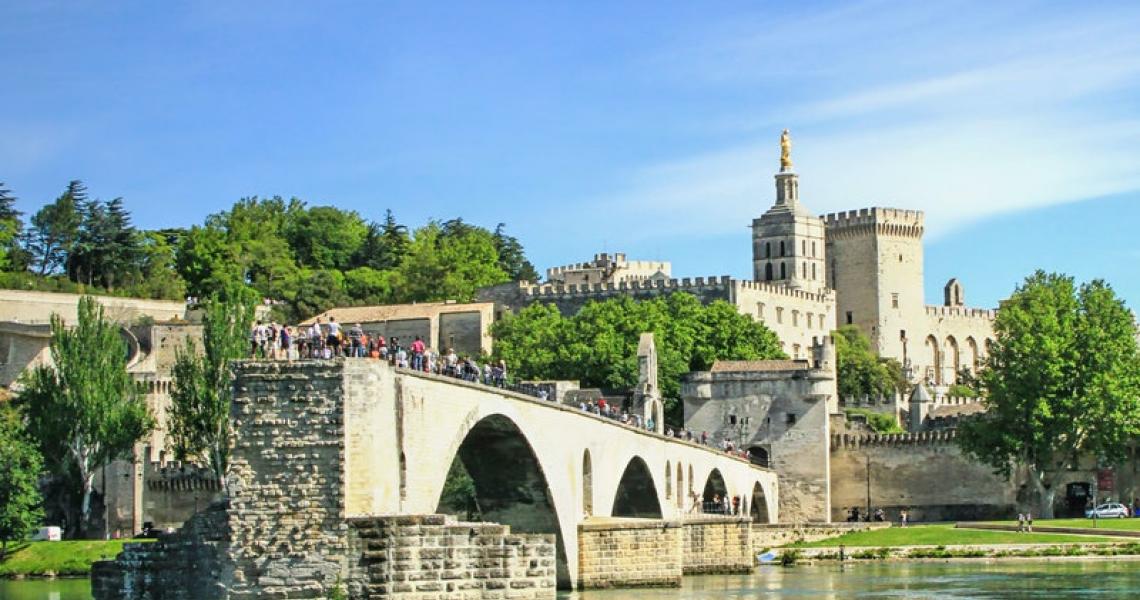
pixel 795 351
pixel 782 253
pixel 900 258
pixel 803 247
pixel 813 271
pixel 779 315
pixel 894 300
pixel 813 249
pixel 850 317
pixel 768 272
pixel 796 321
pixel 805 271
pixel 760 310
pixel 767 249
pixel 783 271
pixel 809 317
pixel 790 418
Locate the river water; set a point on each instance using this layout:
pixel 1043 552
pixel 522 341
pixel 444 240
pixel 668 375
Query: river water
pixel 895 580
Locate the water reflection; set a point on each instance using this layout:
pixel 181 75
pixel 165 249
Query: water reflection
pixel 958 580
pixel 1107 579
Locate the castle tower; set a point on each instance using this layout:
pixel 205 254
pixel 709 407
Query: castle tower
pixel 788 244
pixel 876 271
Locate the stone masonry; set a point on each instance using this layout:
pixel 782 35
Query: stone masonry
pixel 629 553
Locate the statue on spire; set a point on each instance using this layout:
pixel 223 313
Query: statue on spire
pixel 785 152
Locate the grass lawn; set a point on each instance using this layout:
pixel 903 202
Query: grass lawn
pixel 1123 524
pixel 945 535
pixel 72 557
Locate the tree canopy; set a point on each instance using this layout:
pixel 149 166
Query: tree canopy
pixel 860 370
pixel 20 469
pixel 310 258
pixel 1061 382
pixel 598 345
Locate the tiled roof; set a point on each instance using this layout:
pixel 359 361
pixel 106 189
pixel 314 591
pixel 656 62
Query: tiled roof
pixel 747 366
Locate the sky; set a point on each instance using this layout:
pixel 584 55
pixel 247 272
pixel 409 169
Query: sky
pixel 649 128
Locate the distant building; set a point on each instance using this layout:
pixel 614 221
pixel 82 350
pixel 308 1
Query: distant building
pixel 609 268
pixel 442 325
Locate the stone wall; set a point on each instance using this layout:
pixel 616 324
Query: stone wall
pixel 37 307
pixel 429 557
pixel 717 545
pixel 924 473
pixel 629 553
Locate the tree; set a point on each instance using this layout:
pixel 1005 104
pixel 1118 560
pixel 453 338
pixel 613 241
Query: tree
pixel 449 261
pixel 598 346
pixel 859 369
pixel 512 259
pixel 326 237
pixel 20 468
pixel 83 407
pixel 10 229
pixel 202 390
pixel 1061 383
pixel 54 228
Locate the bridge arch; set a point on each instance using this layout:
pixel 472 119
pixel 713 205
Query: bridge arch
pixel 758 505
pixel 636 494
pixel 509 483
pixel 715 488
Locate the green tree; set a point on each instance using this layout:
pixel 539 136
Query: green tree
pixel 202 390
pixel 207 262
pixel 384 245
pixel 157 263
pixel 54 228
pixel 598 345
pixel 512 259
pixel 1062 382
pixel 859 369
pixel 449 261
pixel 83 407
pixel 20 468
pixel 326 237
pixel 11 227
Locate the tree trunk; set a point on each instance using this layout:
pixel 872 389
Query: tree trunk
pixel 85 506
pixel 1045 493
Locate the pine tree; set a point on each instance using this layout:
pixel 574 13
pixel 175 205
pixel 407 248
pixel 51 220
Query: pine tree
pixel 54 228
pixel 11 226
pixel 512 259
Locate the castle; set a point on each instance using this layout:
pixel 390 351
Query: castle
pixel 810 275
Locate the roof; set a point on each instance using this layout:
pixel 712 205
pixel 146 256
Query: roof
pixel 957 410
pixel 394 312
pixel 920 394
pixel 746 366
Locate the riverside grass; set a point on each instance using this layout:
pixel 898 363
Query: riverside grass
pixel 71 558
pixel 946 535
pixel 1119 524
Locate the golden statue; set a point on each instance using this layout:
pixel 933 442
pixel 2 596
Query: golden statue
pixel 785 151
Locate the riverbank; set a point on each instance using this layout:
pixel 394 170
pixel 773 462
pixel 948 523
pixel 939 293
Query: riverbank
pixel 948 534
pixel 71 558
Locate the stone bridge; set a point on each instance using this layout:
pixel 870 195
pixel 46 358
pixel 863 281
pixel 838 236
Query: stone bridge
pixel 331 456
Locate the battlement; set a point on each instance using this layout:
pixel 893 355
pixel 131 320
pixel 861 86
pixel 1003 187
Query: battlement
pixel 614 262
pixel 921 438
pixel 722 282
pixel 961 312
pixel 876 220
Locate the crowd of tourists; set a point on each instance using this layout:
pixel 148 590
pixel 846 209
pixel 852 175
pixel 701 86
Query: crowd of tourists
pixel 327 340
pixel 610 410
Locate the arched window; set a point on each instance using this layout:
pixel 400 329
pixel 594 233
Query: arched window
pixel 805 271
pixel 782 252
pixel 803 247
pixel 783 271
pixel 813 249
pixel 813 271
pixel 680 486
pixel 768 272
pixel 767 249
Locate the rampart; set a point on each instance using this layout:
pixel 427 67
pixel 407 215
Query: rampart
pixel 961 312
pixel 37 307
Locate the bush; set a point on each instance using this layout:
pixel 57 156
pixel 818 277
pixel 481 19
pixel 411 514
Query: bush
pixel 789 557
pixel 879 422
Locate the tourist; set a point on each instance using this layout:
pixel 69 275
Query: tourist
pixel 356 340
pixel 903 517
pixel 285 339
pixel 333 339
pixel 417 349
pixel 736 505
pixel 1028 522
pixel 1020 522
pixel 316 338
pixel 401 357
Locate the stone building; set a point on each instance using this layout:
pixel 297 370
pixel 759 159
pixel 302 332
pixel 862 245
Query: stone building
pixel 442 325
pixel 811 275
pixel 609 268
pixel 778 411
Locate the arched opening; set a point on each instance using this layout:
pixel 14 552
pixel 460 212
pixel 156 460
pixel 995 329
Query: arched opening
pixel 759 508
pixel 768 272
pixel 934 375
pixel 955 359
pixel 587 485
pixel 782 253
pixel 680 486
pixel 506 483
pixel 668 480
pixel 783 271
pixel 715 492
pixel 972 354
pixel 692 496
pixel 636 495
pixel 767 249
pixel 758 455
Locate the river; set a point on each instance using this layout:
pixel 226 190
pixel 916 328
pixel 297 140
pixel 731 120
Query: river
pixel 895 580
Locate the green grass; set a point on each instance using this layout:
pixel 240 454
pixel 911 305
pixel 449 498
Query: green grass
pixel 1122 524
pixel 945 535
pixel 73 557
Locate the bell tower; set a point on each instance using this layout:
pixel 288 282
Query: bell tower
pixel 788 241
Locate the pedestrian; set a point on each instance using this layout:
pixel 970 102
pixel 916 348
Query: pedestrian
pixel 1020 522
pixel 1028 522
pixel 285 338
pixel 356 340
pixel 903 517
pixel 418 354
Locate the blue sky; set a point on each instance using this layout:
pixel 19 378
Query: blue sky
pixel 644 127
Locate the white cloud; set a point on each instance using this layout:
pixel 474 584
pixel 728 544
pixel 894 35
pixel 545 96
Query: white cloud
pixel 1032 112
